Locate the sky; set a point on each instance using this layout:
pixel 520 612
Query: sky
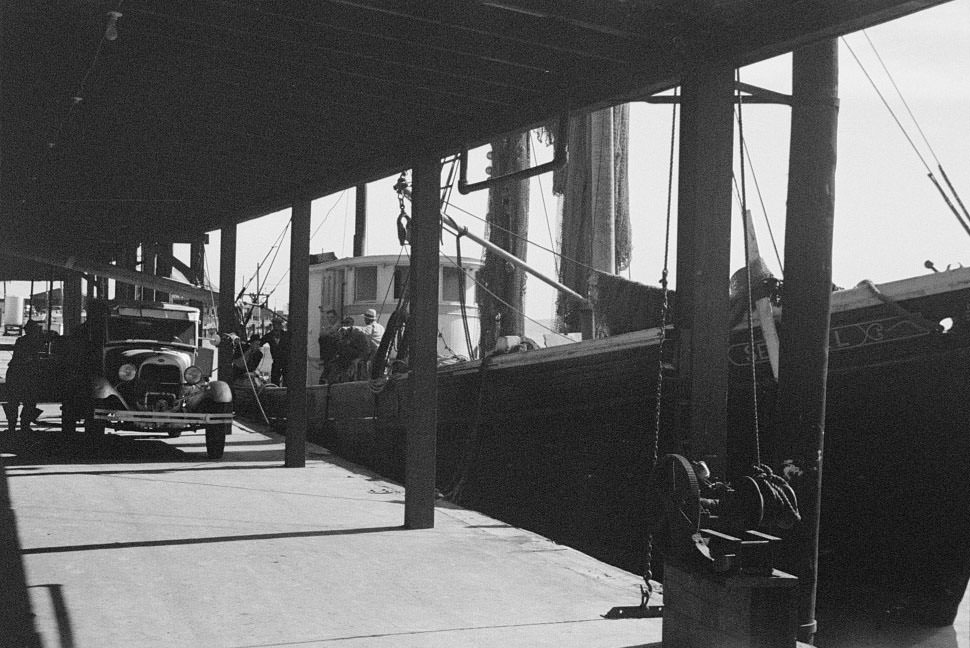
pixel 889 219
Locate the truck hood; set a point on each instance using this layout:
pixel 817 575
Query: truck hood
pixel 141 354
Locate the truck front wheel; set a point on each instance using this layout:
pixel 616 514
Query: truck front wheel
pixel 215 433
pixel 215 439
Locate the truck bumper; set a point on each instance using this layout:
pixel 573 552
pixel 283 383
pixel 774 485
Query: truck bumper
pixel 162 420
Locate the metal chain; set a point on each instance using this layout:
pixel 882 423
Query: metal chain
pixel 747 274
pixel 647 589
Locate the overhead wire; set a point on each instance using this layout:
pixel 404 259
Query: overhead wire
pixel 325 217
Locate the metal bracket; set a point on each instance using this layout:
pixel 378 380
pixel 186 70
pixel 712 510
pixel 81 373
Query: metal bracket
pixel 558 160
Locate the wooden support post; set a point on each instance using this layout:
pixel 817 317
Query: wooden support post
pixel 148 267
pixel 197 271
pixel 799 423
pixel 296 368
pixel 163 267
pixel 420 460
pixel 703 256
pixel 227 298
pixel 197 259
pixel 72 302
pixel 127 259
pixel 360 221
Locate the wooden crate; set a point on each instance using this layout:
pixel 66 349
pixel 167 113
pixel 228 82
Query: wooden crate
pixel 703 609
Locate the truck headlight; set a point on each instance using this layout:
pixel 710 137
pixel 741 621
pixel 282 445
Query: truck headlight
pixel 193 375
pixel 127 372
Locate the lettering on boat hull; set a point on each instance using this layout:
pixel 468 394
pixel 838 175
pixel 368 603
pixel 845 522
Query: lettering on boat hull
pixel 848 336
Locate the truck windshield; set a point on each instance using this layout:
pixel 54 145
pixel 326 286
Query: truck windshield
pixel 160 330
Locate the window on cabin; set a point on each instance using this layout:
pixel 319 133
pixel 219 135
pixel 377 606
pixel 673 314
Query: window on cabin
pixel 450 284
pixel 365 284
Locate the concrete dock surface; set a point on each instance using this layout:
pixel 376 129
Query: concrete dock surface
pixel 147 543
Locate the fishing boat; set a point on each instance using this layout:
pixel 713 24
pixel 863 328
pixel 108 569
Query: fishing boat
pixel 559 440
pixel 555 439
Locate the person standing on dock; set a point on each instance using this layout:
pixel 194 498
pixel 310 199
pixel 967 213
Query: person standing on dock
pixel 20 378
pixel 329 335
pixel 279 348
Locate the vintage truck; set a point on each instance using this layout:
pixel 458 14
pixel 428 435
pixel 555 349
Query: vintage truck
pixel 137 366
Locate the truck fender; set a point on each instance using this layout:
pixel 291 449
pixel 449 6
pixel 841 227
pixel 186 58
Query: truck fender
pixel 219 392
pixel 102 389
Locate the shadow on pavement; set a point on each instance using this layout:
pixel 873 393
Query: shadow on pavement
pixel 207 540
pixel 16 615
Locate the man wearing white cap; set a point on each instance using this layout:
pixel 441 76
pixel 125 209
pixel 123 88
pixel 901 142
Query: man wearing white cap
pixel 372 328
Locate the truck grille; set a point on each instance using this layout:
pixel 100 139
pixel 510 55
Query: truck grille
pixel 165 378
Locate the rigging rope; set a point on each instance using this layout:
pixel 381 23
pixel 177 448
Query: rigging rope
pixel 929 172
pixel 242 352
pixel 761 199
pixel 747 274
pixel 926 141
pixel 545 210
pixel 558 255
pixel 482 286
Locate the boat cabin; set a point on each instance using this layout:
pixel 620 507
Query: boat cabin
pixel 353 285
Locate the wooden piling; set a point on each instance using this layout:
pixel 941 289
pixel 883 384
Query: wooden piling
pixel 420 457
pixel 297 323
pixel 703 256
pixel 799 423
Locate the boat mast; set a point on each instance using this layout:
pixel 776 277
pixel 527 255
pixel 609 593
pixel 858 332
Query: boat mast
pixel 799 423
pixel 508 228
pixel 595 228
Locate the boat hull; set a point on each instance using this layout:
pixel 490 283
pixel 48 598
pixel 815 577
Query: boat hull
pixel 560 441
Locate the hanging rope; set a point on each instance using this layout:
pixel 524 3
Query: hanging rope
pixel 747 274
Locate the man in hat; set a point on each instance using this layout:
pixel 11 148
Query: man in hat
pixel 350 358
pixel 279 347
pixel 372 329
pixel 21 379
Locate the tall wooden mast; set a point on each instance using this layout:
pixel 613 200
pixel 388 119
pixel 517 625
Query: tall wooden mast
pixel 500 306
pixel 595 228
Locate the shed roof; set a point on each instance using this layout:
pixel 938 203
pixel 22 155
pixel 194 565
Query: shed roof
pixel 207 112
